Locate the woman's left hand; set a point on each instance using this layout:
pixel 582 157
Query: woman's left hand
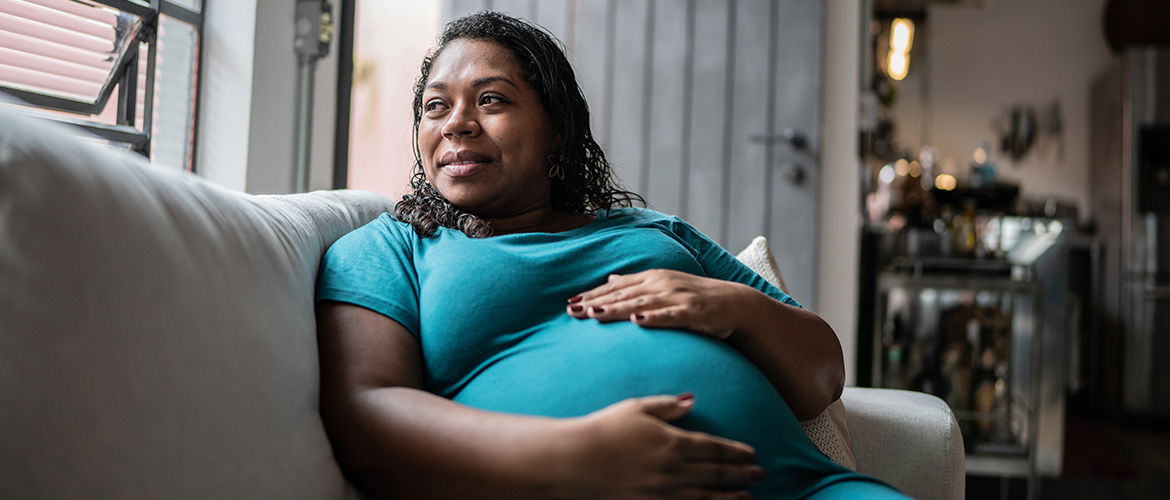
pixel 662 298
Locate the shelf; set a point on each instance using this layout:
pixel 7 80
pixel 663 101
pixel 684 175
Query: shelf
pixel 951 265
pixel 890 280
pixel 961 329
pixel 981 465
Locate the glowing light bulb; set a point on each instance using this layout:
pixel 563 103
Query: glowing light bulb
pixel 945 182
pixel 898 65
pixel 901 34
pixel 980 156
pixel 901 40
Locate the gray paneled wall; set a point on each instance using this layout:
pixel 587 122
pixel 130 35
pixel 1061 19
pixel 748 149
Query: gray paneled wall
pixel 691 99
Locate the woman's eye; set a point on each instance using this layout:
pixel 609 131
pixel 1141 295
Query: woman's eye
pixel 433 105
pixel 490 99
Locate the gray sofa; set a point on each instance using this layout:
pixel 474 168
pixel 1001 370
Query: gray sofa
pixel 157 337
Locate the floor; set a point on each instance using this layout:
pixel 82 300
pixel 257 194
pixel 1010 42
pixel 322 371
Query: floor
pixel 1136 466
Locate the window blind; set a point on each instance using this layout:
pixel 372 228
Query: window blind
pixel 63 48
pixel 126 70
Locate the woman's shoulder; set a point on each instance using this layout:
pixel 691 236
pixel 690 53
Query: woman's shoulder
pixel 646 217
pixel 386 223
pixel 384 229
pixel 636 215
pixel 650 218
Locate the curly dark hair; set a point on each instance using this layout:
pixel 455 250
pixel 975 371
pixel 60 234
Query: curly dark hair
pixel 588 185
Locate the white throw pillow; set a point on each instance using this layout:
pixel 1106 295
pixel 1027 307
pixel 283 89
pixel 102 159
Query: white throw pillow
pixel 828 430
pixel 157 335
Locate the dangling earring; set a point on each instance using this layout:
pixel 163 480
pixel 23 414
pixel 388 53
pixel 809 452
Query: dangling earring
pixel 556 170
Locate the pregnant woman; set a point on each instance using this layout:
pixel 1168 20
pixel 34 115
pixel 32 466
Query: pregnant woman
pixel 520 330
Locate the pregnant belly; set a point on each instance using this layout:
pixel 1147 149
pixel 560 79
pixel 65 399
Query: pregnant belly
pixel 575 367
pixel 572 368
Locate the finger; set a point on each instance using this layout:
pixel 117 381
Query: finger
pixel 620 305
pixel 666 408
pixel 691 493
pixel 673 316
pixel 577 310
pixel 721 474
pixel 689 316
pixel 702 447
pixel 595 303
pixel 633 297
pixel 631 293
pixel 613 283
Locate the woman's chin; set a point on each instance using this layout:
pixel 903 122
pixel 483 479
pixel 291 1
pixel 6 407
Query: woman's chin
pixel 472 203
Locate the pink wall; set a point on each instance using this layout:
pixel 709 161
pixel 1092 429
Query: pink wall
pixel 390 41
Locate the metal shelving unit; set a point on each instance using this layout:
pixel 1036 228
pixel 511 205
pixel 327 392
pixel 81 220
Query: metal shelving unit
pixel 970 332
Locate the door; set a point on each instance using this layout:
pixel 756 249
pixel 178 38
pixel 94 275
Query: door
pixel 708 108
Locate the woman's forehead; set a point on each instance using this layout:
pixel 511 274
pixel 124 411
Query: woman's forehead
pixel 470 59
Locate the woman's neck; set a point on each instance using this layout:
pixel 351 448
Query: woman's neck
pixel 540 220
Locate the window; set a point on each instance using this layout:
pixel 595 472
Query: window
pixel 124 70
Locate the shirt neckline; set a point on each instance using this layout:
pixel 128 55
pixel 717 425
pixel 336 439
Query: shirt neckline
pixel 598 218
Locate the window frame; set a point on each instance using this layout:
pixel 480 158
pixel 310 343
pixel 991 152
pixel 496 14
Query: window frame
pixel 125 80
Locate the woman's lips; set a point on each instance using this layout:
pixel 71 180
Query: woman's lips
pixel 463 168
pixel 463 163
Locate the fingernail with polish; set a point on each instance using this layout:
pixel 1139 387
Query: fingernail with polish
pixel 576 308
pixel 686 396
pixel 597 310
pixel 574 299
pixel 637 317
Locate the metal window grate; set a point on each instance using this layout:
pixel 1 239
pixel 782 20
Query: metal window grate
pixel 118 68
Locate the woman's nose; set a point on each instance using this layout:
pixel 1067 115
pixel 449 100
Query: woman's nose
pixel 461 122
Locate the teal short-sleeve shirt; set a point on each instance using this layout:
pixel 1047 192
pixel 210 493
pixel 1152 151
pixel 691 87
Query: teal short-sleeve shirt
pixel 489 315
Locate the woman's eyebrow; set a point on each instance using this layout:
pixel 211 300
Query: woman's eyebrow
pixel 478 82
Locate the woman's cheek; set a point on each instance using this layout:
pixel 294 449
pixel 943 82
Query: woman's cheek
pixel 427 144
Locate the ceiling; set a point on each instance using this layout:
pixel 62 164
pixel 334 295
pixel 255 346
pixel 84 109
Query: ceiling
pixel 918 7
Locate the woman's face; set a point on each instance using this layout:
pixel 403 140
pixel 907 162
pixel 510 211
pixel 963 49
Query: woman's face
pixel 484 136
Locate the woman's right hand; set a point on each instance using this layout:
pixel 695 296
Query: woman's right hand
pixel 628 450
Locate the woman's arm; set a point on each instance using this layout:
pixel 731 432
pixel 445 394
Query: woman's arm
pixel 394 439
pixel 798 352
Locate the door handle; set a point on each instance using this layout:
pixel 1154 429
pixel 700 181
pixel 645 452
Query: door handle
pixel 790 136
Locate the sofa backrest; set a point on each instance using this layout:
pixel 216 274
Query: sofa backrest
pixel 157 336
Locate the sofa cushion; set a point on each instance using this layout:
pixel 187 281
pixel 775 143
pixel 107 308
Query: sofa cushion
pixel 158 337
pixel 828 430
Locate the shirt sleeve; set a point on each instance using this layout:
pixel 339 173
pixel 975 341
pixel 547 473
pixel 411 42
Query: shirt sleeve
pixel 373 267
pixel 721 264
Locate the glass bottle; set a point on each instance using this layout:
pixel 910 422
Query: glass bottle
pixel 894 378
pixel 964 235
pixel 1001 430
pixel 983 397
pixel 930 380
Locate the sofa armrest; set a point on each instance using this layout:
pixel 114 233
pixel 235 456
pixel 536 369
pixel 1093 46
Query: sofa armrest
pixel 908 439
